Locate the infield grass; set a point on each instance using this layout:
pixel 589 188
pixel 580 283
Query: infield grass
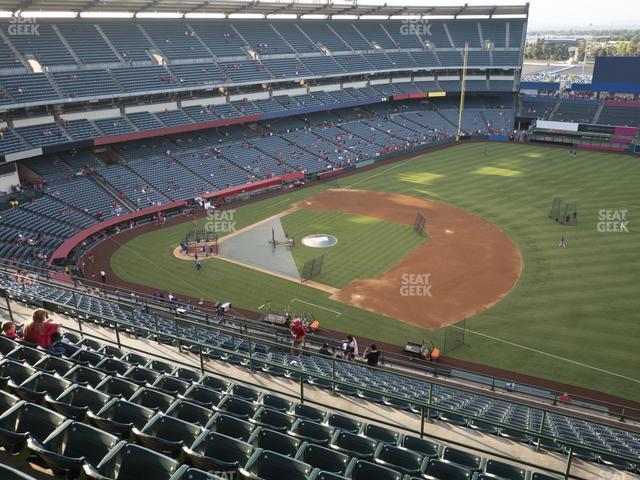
pixel 573 316
pixel 363 248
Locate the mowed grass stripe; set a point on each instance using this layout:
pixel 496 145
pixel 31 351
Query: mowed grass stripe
pixel 363 244
pixel 579 303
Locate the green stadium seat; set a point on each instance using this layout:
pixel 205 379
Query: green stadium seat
pixel 617 463
pixel 322 475
pixel 346 424
pixel 7 401
pixel 312 432
pixel 190 412
pixel 483 427
pixel 77 400
pixel 132 462
pixel 90 343
pixel 443 470
pixel 152 399
pixel 505 470
pixel 71 445
pixel 213 451
pixel 113 366
pixel 8 473
pixel 276 402
pixel 166 434
pixel 117 387
pixel 37 387
pixel 25 420
pixel 27 355
pixel 266 465
pixel 422 446
pixel 195 474
pixel 119 417
pixel 400 459
pixel 584 454
pixel 237 407
pixel 135 359
pixel 52 365
pixel 309 413
pixel 354 445
pixel 13 373
pixel 246 393
pixel 231 426
pixel 381 434
pixel 111 351
pixel 462 458
pixel 160 366
pixel 214 383
pixel 275 441
pixel 141 376
pixel 273 419
pixel 88 377
pixel 550 445
pixel 203 396
pixel 362 470
pixel 171 385
pixel 543 476
pixel 323 458
pixel 514 435
pixel 187 374
pixel 453 418
pixel 87 357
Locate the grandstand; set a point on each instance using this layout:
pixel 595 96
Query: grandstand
pixel 110 124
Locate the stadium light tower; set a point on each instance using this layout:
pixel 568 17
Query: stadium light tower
pixel 462 88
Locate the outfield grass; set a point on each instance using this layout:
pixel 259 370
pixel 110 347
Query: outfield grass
pixel 363 244
pixel 572 317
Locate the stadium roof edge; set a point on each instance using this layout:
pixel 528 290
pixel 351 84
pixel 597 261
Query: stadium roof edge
pixel 274 7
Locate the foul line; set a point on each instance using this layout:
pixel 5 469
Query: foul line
pixel 375 174
pixel 547 354
pixel 317 306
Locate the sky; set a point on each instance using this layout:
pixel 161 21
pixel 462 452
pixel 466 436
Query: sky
pixel 548 14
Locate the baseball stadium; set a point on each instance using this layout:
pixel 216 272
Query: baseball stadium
pixel 301 241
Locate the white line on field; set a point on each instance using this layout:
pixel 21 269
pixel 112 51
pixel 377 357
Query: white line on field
pixel 318 306
pixel 375 174
pixel 260 307
pixel 279 203
pixel 547 354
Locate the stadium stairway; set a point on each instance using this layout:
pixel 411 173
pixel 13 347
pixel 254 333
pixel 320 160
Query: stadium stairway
pixel 342 411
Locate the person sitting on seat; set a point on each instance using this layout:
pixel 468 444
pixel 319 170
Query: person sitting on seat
pixel 372 355
pixel 9 330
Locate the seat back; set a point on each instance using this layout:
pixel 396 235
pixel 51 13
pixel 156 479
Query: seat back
pixel 460 457
pixel 273 466
pixel 381 434
pixel 190 412
pixel 276 442
pixel 362 470
pixel 38 421
pixel 442 469
pixel 81 440
pixel 505 470
pixel 324 458
pixel 421 445
pixel 222 447
pixel 134 462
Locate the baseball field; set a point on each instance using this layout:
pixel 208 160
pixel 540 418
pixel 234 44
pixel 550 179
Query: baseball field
pixel 489 254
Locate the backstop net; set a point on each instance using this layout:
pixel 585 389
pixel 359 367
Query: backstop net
pixel 563 212
pixel 454 336
pixel 419 223
pixel 312 268
pixel 203 241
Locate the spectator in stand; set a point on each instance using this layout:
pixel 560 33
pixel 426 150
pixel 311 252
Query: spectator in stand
pixel 350 347
pixel 372 355
pixel 565 398
pixel 9 330
pixel 46 334
pixel 298 332
pixel 326 350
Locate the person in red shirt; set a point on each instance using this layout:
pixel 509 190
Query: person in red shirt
pixel 9 330
pixel 40 329
pixel 298 332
